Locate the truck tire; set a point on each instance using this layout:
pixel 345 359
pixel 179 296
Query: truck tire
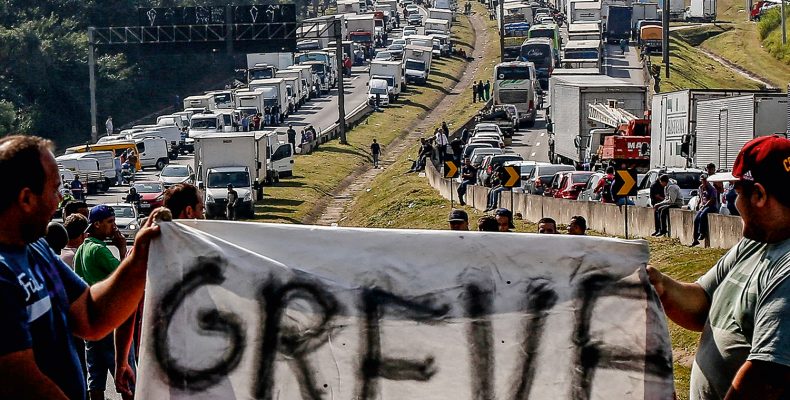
pixel 160 163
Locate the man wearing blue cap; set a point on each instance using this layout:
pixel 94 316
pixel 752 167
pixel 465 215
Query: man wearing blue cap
pixel 94 262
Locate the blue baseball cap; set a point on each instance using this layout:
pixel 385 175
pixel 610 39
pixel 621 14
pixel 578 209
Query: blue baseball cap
pixel 99 213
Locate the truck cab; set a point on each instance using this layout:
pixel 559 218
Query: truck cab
pixel 378 87
pixel 417 63
pixel 216 190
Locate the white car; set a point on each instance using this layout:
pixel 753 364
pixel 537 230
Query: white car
pixel 409 30
pixel 174 174
pixel 686 178
pixel 486 127
pixel 127 219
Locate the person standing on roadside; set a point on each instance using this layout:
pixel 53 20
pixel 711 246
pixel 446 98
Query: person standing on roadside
pixel 457 146
pixel 742 303
pixel 487 90
pixel 375 151
pixel 547 226
pixel 233 200
pixel 672 199
pixel 38 359
pixel 474 92
pixel 94 262
pixel 458 220
pixel 291 135
pixel 468 177
pixel 441 141
pixel 108 125
pixel 480 94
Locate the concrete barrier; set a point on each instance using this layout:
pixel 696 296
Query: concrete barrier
pixel 725 231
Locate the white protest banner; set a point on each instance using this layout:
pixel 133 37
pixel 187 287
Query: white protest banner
pixel 264 311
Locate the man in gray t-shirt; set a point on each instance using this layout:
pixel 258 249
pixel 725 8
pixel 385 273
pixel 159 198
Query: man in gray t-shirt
pixel 742 305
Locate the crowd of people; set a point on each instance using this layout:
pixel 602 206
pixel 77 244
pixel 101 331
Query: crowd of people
pixel 502 221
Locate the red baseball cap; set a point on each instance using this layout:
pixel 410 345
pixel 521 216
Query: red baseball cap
pixel 764 160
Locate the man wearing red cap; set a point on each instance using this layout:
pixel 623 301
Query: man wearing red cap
pixel 742 305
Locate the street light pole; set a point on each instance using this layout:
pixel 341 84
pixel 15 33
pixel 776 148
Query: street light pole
pixel 501 4
pixel 784 30
pixel 92 85
pixel 341 98
pixel 665 38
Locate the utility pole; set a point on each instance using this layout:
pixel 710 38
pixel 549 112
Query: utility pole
pixel 501 4
pixel 92 78
pixel 784 30
pixel 341 97
pixel 665 39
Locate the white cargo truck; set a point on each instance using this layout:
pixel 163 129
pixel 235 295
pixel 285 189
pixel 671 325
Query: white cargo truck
pixel 569 126
pixel 304 86
pixel 643 12
pixel 417 63
pixel 223 99
pixel 392 72
pixel 246 160
pixel 436 26
pixel 294 89
pixel 441 13
pixel 673 124
pixel 206 122
pixel 360 23
pixel 585 11
pixel 725 125
pixel 204 101
pixel 309 78
pixel 279 60
pixel 677 8
pixel 277 91
pixel 701 11
pixel 348 6
pixel 329 60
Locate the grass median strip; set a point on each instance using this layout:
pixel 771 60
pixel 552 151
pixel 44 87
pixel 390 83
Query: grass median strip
pixel 318 174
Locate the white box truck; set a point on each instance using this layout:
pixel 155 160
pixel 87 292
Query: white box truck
pixel 585 11
pixel 643 12
pixel 310 78
pixel 417 63
pixel 677 8
pixel 279 60
pixel 701 11
pixel 441 13
pixel 392 72
pixel 569 126
pixel 204 101
pixel 673 124
pixel 294 89
pixel 436 26
pixel 301 76
pixel 329 60
pixel 725 125
pixel 277 91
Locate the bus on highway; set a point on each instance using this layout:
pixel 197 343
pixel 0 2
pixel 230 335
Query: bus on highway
pixel 582 54
pixel 515 83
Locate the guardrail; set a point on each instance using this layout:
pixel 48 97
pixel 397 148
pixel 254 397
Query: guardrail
pixel 333 131
pixel 724 231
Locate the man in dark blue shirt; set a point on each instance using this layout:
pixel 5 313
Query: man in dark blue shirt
pixel 42 302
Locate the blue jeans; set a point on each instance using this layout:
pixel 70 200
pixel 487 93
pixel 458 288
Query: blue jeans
pixel 462 189
pixel 493 197
pixel 100 357
pixel 701 222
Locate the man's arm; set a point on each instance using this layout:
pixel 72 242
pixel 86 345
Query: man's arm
pixel 107 304
pixel 21 379
pixel 687 304
pixel 124 375
pixel 760 379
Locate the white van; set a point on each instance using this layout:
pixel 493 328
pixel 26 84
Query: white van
pixel 153 152
pixel 106 163
pixel 379 87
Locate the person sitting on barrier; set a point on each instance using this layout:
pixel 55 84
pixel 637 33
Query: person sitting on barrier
pixel 487 223
pixel 604 187
pixel 497 184
pixel 547 226
pixel 468 177
pixel 577 226
pixel 672 199
pixel 709 203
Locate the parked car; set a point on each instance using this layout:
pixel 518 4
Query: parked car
pixel 686 178
pixel 493 142
pixel 588 192
pixel 490 162
pixel 384 55
pixel 415 19
pixel 486 127
pixel 477 155
pixel 127 218
pixel 176 173
pixel 409 30
pixel 540 183
pixel 571 184
pixel 396 50
pixel 526 168
pixel 543 170
pixel 152 193
pixel 470 147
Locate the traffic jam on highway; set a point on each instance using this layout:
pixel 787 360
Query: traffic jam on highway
pixel 246 135
pixel 572 64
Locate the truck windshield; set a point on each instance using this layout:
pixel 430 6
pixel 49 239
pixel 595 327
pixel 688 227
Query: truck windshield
pixel 546 33
pixel 261 74
pixel 582 54
pixel 204 123
pixel 512 73
pixel 540 54
pixel 319 69
pixel 222 98
pixel 269 102
pixel 360 38
pixel 222 179
pixel 418 65
pixel 378 90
